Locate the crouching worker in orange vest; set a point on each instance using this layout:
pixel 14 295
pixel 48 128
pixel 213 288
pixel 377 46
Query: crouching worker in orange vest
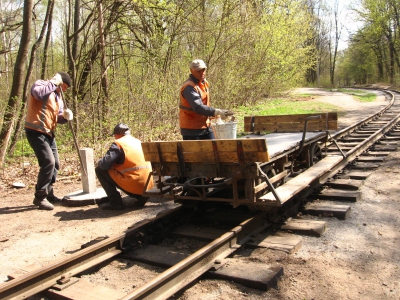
pixel 123 167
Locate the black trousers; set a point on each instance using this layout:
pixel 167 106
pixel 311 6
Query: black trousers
pixel 110 186
pixel 45 148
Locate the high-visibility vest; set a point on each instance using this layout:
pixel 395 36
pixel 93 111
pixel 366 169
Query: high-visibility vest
pixel 187 117
pixel 133 173
pixel 42 115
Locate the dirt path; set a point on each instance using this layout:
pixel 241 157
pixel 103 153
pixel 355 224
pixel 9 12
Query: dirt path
pixel 355 259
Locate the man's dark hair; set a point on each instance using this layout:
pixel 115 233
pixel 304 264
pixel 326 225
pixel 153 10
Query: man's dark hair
pixel 66 78
pixel 120 129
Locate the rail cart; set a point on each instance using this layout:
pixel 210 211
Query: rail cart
pixel 242 171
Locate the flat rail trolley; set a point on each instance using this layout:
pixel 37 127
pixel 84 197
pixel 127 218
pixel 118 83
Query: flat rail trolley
pixel 252 170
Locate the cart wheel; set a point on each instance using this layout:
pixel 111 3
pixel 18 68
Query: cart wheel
pixel 315 154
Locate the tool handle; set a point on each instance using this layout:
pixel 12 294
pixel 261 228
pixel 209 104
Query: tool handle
pixel 73 134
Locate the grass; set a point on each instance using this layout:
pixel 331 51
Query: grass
pixel 361 95
pixel 286 106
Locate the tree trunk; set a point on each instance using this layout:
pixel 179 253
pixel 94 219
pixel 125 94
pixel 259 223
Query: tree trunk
pixel 104 81
pixel 338 31
pixel 45 28
pixel 14 100
pixel 43 71
pixel 391 55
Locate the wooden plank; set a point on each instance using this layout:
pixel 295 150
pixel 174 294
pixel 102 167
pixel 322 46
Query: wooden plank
pixel 251 274
pixel 345 184
pixel 327 210
pixel 388 143
pixel 290 123
pixel 254 150
pixel 339 195
pixel 204 233
pixel 391 138
pixel 343 148
pixel 358 175
pixel 373 153
pixel 384 148
pixel 370 159
pixel 348 144
pixel 158 256
pixel 292 118
pixel 85 290
pixel 360 135
pixel 291 127
pixel 307 227
pixel 300 182
pixel 287 244
pixel 352 139
pixel 364 166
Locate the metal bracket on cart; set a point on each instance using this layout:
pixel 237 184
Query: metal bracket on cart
pixel 336 144
pixel 270 186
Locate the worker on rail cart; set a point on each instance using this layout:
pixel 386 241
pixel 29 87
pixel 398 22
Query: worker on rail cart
pixel 194 107
pixel 123 167
pixel 45 109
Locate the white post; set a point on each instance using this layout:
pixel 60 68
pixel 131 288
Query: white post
pixel 88 179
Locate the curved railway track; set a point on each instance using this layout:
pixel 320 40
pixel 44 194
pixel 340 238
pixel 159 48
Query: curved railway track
pixel 365 137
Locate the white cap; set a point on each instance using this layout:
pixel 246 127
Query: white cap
pixel 198 65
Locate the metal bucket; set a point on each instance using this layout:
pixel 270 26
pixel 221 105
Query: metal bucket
pixel 225 131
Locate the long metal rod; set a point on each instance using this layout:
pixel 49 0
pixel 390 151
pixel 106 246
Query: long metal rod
pixel 73 134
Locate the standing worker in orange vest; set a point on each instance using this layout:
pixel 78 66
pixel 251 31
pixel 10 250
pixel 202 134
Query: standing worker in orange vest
pixel 194 107
pixel 123 167
pixel 45 110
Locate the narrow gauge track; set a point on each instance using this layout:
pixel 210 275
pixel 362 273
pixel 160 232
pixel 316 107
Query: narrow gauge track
pixel 353 141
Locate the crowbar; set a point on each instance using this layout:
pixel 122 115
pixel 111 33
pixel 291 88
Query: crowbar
pixel 73 132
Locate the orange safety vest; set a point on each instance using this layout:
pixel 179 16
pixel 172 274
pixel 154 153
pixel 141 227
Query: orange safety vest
pixel 131 175
pixel 187 117
pixel 42 115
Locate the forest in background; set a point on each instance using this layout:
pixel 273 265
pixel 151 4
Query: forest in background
pixel 128 58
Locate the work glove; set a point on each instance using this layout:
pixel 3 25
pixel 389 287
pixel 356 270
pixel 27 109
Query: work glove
pixel 68 115
pixel 223 113
pixel 56 80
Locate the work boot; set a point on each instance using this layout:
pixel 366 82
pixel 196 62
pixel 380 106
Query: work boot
pixel 141 201
pixel 41 201
pixel 102 200
pixel 112 206
pixel 51 197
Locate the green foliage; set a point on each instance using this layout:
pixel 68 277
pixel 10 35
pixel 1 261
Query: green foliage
pixel 22 148
pixel 372 55
pixel 253 50
pixel 358 64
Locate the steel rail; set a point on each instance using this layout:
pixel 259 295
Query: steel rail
pixel 180 275
pixel 347 130
pixel 364 145
pixel 46 277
